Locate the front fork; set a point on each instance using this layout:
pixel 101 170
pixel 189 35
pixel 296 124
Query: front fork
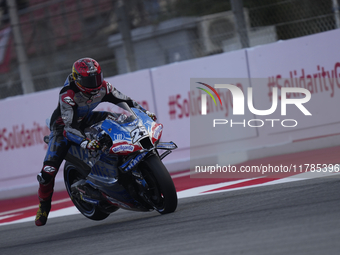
pixel 147 189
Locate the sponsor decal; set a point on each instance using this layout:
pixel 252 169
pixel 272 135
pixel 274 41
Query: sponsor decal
pixel 168 145
pixel 157 131
pixel 118 136
pixel 49 169
pixel 135 161
pixel 68 100
pixel 92 70
pixel 123 148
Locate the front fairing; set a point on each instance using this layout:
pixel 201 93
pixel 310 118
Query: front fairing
pixel 127 134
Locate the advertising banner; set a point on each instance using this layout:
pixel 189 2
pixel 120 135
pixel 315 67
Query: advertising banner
pixel 311 63
pixel 22 129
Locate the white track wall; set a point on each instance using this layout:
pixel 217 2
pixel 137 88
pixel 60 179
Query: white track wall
pixel 312 62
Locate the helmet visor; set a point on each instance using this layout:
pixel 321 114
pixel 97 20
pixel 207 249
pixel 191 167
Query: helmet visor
pixel 93 81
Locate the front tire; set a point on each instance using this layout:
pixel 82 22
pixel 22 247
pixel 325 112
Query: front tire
pixel 164 189
pixel 91 211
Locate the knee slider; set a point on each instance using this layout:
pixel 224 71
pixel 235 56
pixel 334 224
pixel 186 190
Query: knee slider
pixel 46 175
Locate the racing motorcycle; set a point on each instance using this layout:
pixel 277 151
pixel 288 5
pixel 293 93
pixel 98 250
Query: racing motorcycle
pixel 126 172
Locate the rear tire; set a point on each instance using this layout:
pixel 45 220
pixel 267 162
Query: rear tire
pixel 91 211
pixel 165 188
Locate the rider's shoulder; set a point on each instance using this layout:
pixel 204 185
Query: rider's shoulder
pixel 68 85
pixel 67 96
pixel 68 81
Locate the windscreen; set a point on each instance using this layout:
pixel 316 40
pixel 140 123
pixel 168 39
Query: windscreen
pixel 124 113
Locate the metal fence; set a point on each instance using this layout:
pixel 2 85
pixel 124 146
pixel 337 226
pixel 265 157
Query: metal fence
pixel 57 32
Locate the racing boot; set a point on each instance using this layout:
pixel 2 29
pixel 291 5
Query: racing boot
pixel 42 213
pixel 45 192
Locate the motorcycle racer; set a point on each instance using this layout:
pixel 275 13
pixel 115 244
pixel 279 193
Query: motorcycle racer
pixel 83 90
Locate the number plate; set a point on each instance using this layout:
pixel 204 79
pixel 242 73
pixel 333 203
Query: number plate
pixel 138 133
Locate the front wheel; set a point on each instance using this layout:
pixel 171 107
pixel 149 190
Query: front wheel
pixel 91 211
pixel 163 192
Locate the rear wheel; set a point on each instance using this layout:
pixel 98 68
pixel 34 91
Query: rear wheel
pixel 162 189
pixel 91 211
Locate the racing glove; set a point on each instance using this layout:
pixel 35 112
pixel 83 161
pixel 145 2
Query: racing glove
pixel 90 145
pixel 151 115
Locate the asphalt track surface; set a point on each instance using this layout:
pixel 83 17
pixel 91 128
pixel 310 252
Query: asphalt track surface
pixel 299 217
